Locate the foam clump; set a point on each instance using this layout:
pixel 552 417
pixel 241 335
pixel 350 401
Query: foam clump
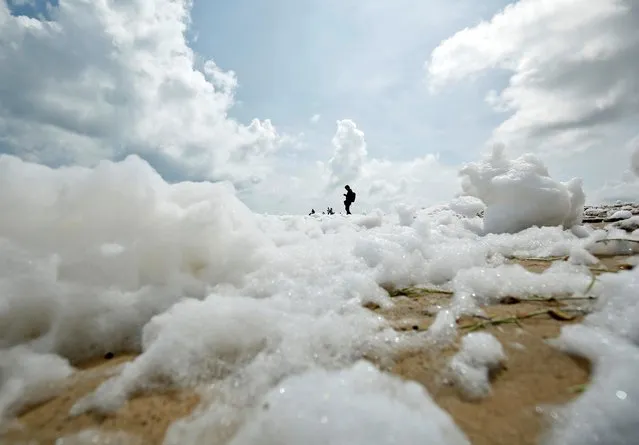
pixel 629 225
pixel 481 286
pixel 468 206
pixel 359 405
pixel 374 219
pixel 28 378
pixel 617 307
pixel 533 242
pixel 581 256
pixel 479 355
pixel 226 338
pixel 613 242
pixel 406 214
pixel 95 253
pixel 393 258
pixel 520 193
pixel 191 343
pixel 621 214
pixel 608 410
pixel 447 261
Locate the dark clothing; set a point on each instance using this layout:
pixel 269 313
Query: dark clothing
pixel 350 196
pixel 350 199
pixel 347 206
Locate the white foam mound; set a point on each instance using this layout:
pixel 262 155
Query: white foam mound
pixel 618 305
pixel 481 286
pixel 357 406
pixel 406 214
pixel 191 343
pixel 467 206
pixel 88 256
pixel 630 224
pixel 621 214
pixel 28 378
pixel 608 411
pixel 480 353
pixel 225 337
pixel 613 241
pixel 520 193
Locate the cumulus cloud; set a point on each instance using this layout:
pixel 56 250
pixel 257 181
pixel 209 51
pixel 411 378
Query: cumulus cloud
pixel 349 153
pixel 384 183
pixel 379 183
pixel 420 182
pixel 627 187
pixel 101 80
pixel 573 66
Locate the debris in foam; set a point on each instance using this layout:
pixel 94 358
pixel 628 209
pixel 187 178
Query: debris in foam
pixel 567 314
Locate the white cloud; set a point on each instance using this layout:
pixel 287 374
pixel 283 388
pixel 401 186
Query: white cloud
pixel 101 80
pixel 382 183
pixel 349 155
pixel 420 182
pixel 573 65
pixel 626 188
pixel 104 79
pixel 379 183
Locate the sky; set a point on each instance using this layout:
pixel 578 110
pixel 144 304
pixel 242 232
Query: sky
pixel 290 100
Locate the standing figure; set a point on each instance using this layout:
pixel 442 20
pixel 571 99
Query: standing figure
pixel 349 199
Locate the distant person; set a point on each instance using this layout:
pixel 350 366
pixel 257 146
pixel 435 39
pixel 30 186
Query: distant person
pixel 349 199
pixel 312 212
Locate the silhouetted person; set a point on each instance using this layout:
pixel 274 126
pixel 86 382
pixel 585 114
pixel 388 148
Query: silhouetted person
pixel 350 199
pixel 312 212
